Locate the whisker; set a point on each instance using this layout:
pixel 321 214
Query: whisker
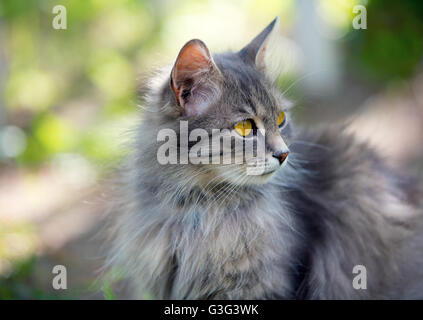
pixel 311 144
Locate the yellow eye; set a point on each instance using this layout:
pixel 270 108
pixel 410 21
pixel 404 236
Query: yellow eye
pixel 281 119
pixel 244 127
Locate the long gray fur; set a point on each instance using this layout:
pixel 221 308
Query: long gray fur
pixel 334 206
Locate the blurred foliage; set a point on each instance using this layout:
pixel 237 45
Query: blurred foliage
pixel 18 263
pixel 19 284
pixel 48 69
pixel 392 47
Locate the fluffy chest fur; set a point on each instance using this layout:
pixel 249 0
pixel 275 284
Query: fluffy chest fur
pixel 209 251
pixel 238 253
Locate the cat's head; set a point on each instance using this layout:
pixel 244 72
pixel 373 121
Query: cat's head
pixel 227 96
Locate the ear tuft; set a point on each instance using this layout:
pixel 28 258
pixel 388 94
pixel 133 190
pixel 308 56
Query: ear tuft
pixel 260 47
pixel 192 77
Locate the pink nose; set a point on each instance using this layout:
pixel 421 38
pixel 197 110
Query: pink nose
pixel 281 156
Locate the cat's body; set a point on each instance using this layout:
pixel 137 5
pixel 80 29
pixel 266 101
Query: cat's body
pixel 335 205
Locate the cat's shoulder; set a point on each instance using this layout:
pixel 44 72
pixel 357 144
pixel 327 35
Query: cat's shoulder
pixel 332 149
pixel 333 158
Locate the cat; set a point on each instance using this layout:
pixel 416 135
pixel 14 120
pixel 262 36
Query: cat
pixel 323 205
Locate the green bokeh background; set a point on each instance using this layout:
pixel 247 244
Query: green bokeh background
pixel 76 91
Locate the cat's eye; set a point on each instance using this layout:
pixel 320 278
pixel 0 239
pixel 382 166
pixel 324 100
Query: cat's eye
pixel 281 119
pixel 244 127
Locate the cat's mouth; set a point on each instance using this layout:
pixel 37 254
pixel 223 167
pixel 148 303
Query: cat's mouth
pixel 268 173
pixel 261 171
pixel 261 176
pixel 255 171
pixel 265 168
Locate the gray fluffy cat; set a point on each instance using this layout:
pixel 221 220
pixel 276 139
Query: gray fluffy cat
pixel 211 231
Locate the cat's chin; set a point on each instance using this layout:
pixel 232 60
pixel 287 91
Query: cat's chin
pixel 261 179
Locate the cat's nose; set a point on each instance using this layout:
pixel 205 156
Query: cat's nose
pixel 281 156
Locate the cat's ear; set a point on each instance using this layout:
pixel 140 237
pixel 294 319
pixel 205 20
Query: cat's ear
pixel 194 78
pixel 259 51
